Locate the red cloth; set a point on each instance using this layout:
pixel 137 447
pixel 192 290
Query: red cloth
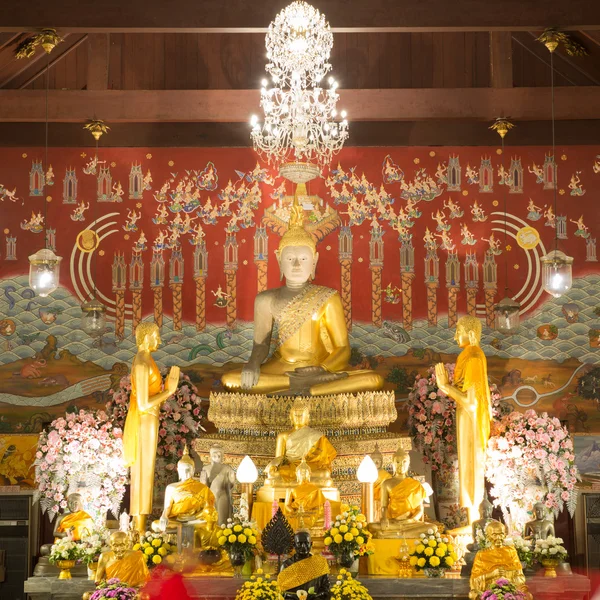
pixel 165 585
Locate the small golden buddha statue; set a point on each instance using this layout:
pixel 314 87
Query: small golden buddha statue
pixel 402 500
pixel 382 475
pixel 305 501
pixel 187 501
pixel 495 562
pixel 140 435
pixel 540 527
pixel 313 352
pixel 470 389
pixel 300 443
pixel 76 522
pixel 120 561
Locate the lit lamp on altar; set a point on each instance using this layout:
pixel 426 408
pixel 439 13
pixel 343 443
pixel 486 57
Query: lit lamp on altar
pixel 44 272
pixel 367 474
pixel 247 474
pixel 93 321
pixel 557 273
pixel 506 316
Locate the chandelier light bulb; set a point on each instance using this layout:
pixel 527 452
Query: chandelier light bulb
pixel 367 471
pixel 44 272
pixel 557 273
pixel 343 114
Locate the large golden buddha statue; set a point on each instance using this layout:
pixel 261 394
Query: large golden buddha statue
pixel 402 499
pixel 129 566
pixel 495 562
pixel 471 392
pixel 313 349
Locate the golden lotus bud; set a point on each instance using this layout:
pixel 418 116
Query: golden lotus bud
pixel 552 45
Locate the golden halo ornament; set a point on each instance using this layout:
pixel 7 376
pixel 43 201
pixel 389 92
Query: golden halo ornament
pixel 528 238
pixel 87 240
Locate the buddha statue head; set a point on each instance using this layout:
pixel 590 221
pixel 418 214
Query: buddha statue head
pixel 486 508
pixel 300 414
pixel 303 472
pixel 216 454
pixel 539 511
pixel 147 336
pixel 302 544
pixel 74 502
pixel 495 534
pixel 119 543
pixel 377 457
pixel 468 331
pixel 186 466
pixel 297 252
pixel 401 462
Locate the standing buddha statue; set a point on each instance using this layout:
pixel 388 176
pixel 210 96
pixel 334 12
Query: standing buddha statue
pixel 313 348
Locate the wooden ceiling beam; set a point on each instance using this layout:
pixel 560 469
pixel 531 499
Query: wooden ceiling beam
pixel 478 104
pixel 343 15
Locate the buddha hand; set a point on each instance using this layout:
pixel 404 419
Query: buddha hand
pixel 249 377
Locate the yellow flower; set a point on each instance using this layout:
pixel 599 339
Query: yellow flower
pixel 354 531
pixel 237 528
pixel 434 561
pixel 449 561
pixel 162 551
pixel 145 545
pixel 343 528
pixel 242 538
pixel 252 539
pixel 450 548
pixel 421 562
pixel 136 547
pixel 428 551
pixel 348 537
pixel 413 561
pixel 440 552
pixel 222 540
pixel 361 518
pixel 338 539
pixel 343 571
pixel 157 559
pixel 432 543
pixel 360 539
pixel 327 541
pixel 247 532
pixel 420 549
pixel 149 551
pixel 334 531
pixel 232 538
pixel 171 559
pixel 227 532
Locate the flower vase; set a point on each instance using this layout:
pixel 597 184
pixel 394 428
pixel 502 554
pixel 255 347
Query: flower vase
pixel 550 565
pixel 92 567
pixel 434 572
pixel 65 567
pixel 346 560
pixel 238 560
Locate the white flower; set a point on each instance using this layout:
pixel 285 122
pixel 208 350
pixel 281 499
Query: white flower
pixel 430 531
pixel 422 535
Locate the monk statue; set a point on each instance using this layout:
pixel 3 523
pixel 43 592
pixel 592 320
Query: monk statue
pixel 129 566
pixel 302 442
pixel 471 392
pixel 305 501
pixel 382 475
pixel 140 436
pixel 541 526
pixel 187 501
pixel 221 479
pixel 402 500
pixel 304 571
pixel 76 522
pixel 313 349
pixel 495 562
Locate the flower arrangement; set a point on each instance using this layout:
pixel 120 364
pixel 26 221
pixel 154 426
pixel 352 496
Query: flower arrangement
pixel 503 589
pixel 349 534
pixel 82 452
pixel 93 543
pixel 552 548
pixel 433 552
pixel 180 422
pixel 155 548
pixel 523 548
pixel 114 589
pixel 530 458
pixel 432 419
pixel 260 587
pixel 65 549
pixel 347 588
pixel 239 538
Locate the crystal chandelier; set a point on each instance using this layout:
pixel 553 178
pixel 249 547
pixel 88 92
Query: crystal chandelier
pixel 301 121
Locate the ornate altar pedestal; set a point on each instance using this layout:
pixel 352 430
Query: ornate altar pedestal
pixel 354 423
pixel 573 587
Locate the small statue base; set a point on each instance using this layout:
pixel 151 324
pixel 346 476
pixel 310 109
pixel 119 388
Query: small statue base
pixel 268 494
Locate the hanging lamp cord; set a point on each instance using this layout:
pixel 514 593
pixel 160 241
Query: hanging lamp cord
pixel 554 166
pixel 45 168
pixel 505 226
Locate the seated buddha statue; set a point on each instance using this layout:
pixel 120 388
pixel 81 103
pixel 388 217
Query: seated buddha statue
pixel 75 522
pixel 402 500
pixel 541 526
pixel 382 475
pixel 187 501
pixel 313 349
pixel 495 562
pixel 120 561
pixel 306 501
